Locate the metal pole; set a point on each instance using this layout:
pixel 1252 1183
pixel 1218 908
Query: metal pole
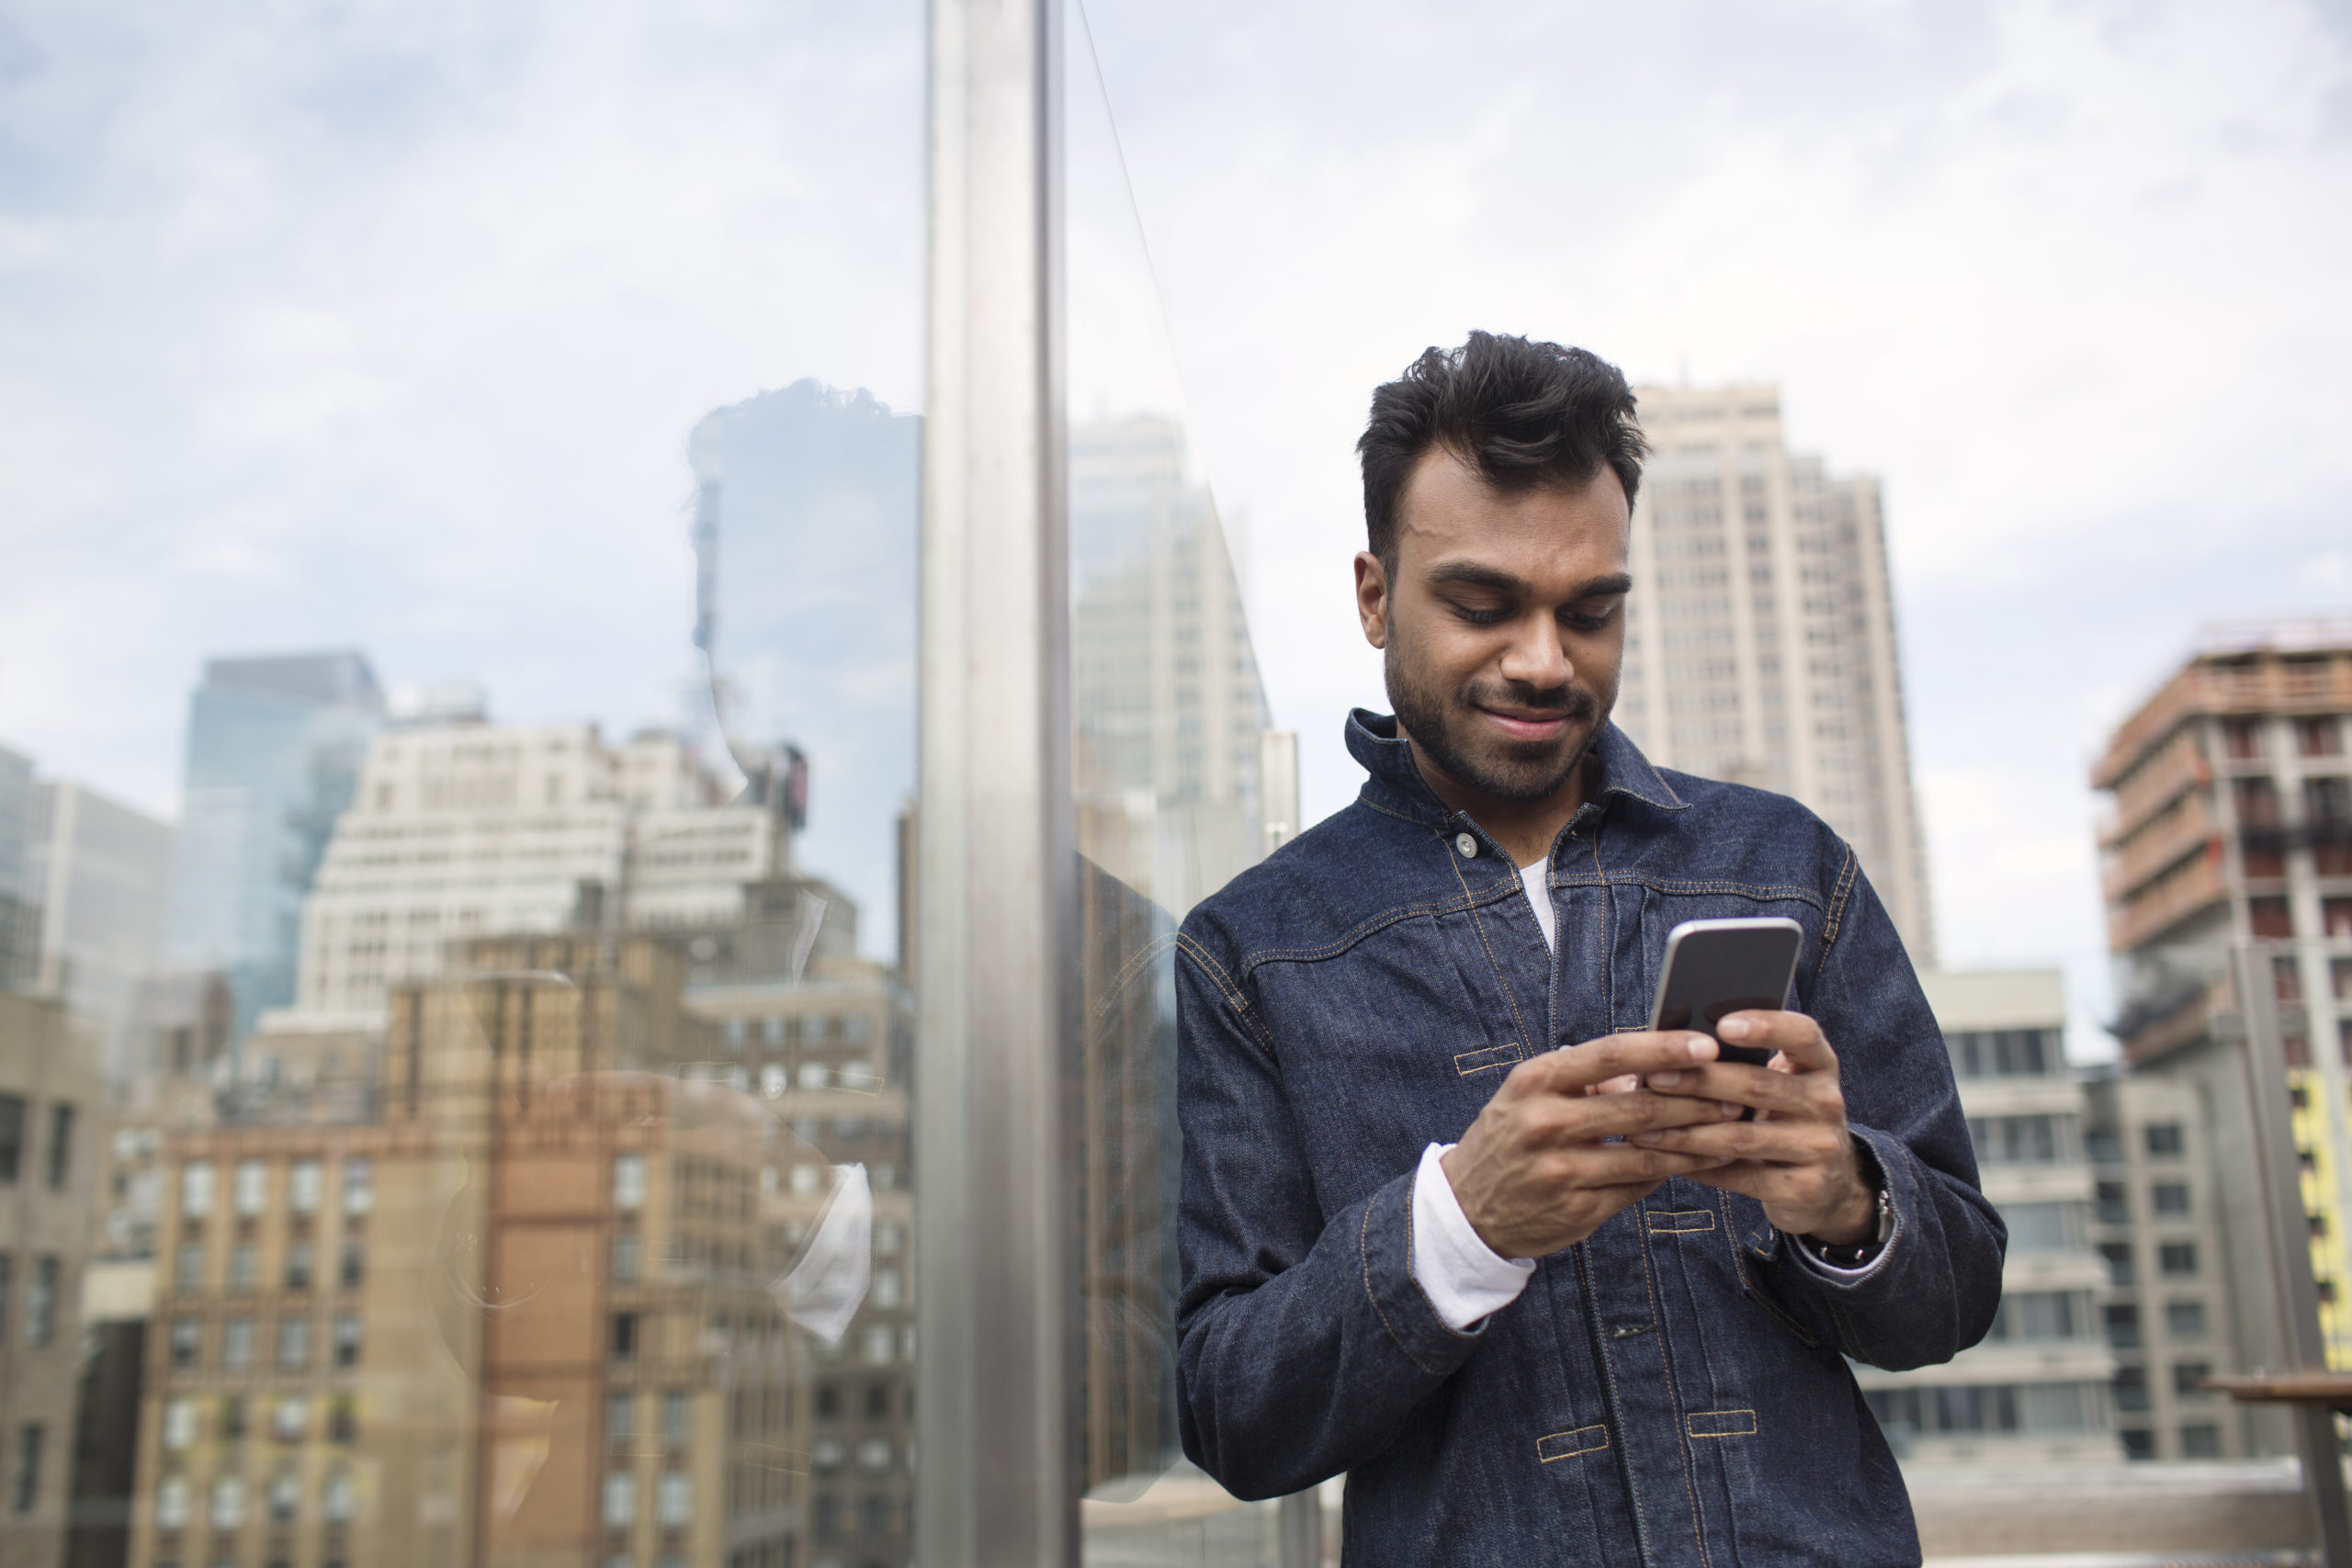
pixel 996 978
pixel 2293 1287
pixel 1301 1524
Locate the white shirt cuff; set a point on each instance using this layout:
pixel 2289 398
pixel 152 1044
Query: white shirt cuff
pixel 1462 1276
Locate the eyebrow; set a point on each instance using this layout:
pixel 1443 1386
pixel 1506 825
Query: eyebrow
pixel 1471 574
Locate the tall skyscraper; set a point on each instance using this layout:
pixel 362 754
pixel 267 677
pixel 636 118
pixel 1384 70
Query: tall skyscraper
pixel 1760 639
pixel 19 912
pixel 805 529
pixel 2231 823
pixel 101 871
pixel 1168 704
pixel 273 748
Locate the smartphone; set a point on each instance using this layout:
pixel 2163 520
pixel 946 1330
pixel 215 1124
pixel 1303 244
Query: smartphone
pixel 1713 967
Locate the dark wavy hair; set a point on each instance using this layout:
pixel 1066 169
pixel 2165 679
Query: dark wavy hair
pixel 1527 414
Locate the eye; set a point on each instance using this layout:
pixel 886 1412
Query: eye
pixel 1585 619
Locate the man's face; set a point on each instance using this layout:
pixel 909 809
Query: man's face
pixel 1503 623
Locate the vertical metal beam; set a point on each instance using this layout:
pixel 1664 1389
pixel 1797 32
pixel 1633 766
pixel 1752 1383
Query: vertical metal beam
pixel 2292 1285
pixel 996 982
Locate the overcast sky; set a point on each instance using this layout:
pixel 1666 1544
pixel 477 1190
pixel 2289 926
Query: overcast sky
pixel 384 324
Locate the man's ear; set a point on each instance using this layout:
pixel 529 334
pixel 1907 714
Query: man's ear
pixel 1372 598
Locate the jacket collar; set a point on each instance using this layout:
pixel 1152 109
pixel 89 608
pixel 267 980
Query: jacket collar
pixel 1396 784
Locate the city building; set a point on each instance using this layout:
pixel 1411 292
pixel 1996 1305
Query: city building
pixel 19 909
pixel 468 830
pixel 50 1095
pixel 805 532
pixel 2167 1309
pixel 1760 642
pixel 101 873
pixel 1170 711
pixel 543 1307
pixel 2034 1392
pixel 2230 824
pixel 274 750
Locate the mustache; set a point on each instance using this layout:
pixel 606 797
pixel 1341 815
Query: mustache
pixel 1565 701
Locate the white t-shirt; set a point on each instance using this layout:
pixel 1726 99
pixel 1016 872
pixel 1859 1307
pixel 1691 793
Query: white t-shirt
pixel 1533 878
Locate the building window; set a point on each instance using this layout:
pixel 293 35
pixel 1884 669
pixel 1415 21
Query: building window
pixel 874 1456
pixel 2138 1442
pixel 180 1424
pixel 2241 738
pixel 237 1342
pixel 12 1136
pixel 195 1187
pixel 290 1419
pixel 343 1421
pixel 285 1498
pixel 2041 1227
pixel 298 1266
pixel 2178 1257
pixel 620 1499
pixel 303 1187
pixel 244 1266
pixel 2002 1053
pixel 251 1194
pixel 628 1258
pixel 232 1419
pixel 2169 1197
pixel 2162 1140
pixel 353 1268
pixel 187 1266
pixel 2188 1378
pixel 2200 1439
pixel 60 1144
pixel 2269 917
pixel 674 1418
pixel 346 1340
pixel 40 1304
pixel 2123 1327
pixel 294 1344
pixel 229 1502
pixel 629 1183
pixel 2113 1209
pixel 2132 1388
pixel 620 1421
pixel 2318 738
pixel 24 1477
pixel 358 1186
pixel 2011 1139
pixel 624 1341
pixel 171 1503
pixel 673 1500
pixel 186 1335
pixel 335 1499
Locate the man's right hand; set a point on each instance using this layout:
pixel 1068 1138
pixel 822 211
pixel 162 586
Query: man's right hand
pixel 1532 1175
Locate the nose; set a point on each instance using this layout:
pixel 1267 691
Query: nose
pixel 1536 656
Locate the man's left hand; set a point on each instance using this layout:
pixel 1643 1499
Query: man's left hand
pixel 1797 1157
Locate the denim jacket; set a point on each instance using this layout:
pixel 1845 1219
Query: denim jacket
pixel 1672 1390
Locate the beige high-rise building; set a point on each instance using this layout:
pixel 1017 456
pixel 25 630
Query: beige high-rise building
pixel 1760 637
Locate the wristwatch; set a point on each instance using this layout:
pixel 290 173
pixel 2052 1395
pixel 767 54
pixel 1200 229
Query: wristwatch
pixel 1853 1255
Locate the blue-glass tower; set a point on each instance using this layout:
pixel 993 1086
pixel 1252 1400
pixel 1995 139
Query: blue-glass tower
pixel 274 746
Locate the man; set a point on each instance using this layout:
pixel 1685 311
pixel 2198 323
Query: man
pixel 1548 1287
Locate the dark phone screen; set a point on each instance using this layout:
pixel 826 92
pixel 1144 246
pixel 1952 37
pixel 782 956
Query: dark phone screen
pixel 1715 970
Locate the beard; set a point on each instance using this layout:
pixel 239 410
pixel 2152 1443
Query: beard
pixel 1446 726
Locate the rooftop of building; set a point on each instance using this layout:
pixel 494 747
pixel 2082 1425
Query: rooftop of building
pixel 2300 663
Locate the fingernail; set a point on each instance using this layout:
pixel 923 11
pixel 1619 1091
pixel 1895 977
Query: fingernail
pixel 1702 1049
pixel 1667 1080
pixel 1729 1110
pixel 1732 1029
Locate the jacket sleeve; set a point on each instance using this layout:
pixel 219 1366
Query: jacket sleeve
pixel 1303 1342
pixel 1930 1292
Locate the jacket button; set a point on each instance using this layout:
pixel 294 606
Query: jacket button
pixel 1467 845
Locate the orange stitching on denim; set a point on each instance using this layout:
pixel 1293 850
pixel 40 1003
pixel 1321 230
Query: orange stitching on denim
pixel 1363 1251
pixel 1503 1056
pixel 1836 911
pixel 1216 972
pixel 1655 1215
pixel 1361 933
pixel 1577 1435
pixel 1728 1427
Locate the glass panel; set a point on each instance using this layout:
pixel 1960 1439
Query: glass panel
pixel 1171 723
pixel 456 701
